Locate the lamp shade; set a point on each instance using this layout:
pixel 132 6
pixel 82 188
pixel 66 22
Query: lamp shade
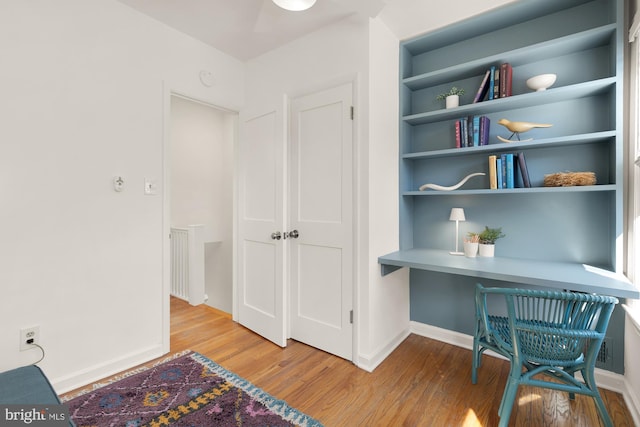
pixel 457 214
pixel 295 5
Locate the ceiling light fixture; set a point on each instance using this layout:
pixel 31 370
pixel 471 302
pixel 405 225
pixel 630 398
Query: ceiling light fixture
pixel 295 5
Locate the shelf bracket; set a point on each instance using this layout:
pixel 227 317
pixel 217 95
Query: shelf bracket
pixel 388 269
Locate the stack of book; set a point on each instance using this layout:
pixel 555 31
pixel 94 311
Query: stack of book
pixel 472 131
pixel 503 171
pixel 496 83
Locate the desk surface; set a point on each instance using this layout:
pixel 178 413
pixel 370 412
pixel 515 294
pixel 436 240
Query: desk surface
pixel 561 275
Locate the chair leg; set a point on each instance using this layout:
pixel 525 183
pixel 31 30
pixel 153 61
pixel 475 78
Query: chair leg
pixel 510 391
pixel 572 396
pixel 604 415
pixel 475 364
pixel 589 379
pixel 508 398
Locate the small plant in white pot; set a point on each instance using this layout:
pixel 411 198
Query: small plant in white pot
pixel 451 98
pixel 487 239
pixel 471 244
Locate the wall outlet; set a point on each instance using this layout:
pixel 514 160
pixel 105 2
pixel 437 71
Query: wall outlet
pixel 28 337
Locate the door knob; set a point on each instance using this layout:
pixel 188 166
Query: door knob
pixel 292 234
pixel 277 235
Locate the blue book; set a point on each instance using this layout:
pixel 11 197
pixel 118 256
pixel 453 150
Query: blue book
pixel 499 173
pixel 476 131
pixel 492 83
pixel 510 171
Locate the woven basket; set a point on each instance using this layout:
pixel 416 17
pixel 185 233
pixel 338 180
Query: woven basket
pixel 569 179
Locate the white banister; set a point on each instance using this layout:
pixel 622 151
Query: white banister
pixel 196 264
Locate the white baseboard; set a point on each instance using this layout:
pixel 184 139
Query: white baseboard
pixel 450 337
pixel 97 372
pixel 371 362
pixel 633 403
pixel 605 379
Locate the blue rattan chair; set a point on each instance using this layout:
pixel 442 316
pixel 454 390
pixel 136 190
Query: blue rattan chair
pixel 540 332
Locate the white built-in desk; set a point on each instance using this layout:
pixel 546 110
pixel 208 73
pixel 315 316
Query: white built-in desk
pixel 561 275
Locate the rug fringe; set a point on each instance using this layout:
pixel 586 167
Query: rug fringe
pixel 278 406
pixel 118 377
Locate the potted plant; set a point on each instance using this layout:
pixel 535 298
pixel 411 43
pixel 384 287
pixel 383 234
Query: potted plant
pixel 471 244
pixel 452 98
pixel 487 239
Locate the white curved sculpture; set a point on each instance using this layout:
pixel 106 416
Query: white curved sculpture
pixel 453 187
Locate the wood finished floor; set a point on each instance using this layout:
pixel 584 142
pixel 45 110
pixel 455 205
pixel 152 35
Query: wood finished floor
pixel 422 383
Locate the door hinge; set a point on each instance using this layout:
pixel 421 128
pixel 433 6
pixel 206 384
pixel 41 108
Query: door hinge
pixel 351 317
pixel 353 112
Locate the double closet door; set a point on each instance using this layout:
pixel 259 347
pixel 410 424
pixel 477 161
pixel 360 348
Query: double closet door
pixel 295 220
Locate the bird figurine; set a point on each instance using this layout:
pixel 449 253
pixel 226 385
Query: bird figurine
pixel 519 127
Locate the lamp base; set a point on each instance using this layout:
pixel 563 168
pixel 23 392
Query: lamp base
pixel 456 253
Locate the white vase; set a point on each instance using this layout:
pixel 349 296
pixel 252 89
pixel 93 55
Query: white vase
pixel 452 101
pixel 486 250
pixel 470 249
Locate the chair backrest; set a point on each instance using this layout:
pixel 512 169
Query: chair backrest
pixel 546 326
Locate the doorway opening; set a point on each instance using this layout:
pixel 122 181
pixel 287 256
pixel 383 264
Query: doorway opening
pixel 200 179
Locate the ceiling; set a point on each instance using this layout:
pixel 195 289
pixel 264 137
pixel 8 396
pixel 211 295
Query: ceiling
pixel 246 29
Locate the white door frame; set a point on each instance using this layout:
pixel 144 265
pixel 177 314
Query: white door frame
pixel 169 90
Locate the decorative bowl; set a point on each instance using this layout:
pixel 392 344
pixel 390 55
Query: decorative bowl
pixel 541 82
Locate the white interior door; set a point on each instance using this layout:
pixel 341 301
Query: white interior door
pixel 261 207
pixel 321 210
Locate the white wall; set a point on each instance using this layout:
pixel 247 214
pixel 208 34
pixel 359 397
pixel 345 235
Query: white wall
pixel 384 300
pixel 409 18
pixel 83 92
pixel 201 175
pixel 631 368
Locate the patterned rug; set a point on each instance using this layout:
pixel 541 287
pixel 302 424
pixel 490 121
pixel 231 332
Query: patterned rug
pixel 187 390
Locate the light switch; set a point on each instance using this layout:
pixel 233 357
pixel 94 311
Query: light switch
pixel 150 186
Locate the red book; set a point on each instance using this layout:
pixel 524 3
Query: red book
pixel 506 77
pixel 458 144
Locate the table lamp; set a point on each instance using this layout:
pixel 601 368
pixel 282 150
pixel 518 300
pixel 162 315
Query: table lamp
pixel 457 215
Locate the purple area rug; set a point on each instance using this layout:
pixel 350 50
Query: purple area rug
pixel 189 390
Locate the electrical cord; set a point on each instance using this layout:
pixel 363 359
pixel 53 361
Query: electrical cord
pixel 41 349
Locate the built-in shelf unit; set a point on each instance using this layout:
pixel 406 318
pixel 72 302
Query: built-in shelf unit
pixel 562 237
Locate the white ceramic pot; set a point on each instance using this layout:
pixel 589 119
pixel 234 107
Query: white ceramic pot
pixel 470 249
pixel 486 250
pixel 452 101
